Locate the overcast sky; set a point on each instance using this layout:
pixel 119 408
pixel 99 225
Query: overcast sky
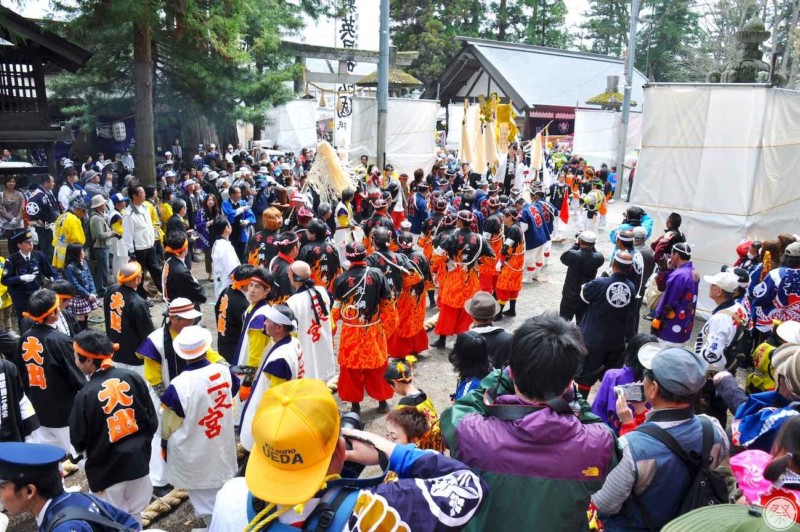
pixel 321 33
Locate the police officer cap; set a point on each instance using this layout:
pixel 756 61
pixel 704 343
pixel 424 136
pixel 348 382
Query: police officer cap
pixel 23 236
pixel 679 371
pixel 29 461
pixel 590 237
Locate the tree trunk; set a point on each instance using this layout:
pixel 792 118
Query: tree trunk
pixel 502 20
pixel 258 125
pixel 143 82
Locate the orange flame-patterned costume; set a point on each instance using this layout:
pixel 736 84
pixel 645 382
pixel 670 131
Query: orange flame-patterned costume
pixel 456 263
pixel 368 316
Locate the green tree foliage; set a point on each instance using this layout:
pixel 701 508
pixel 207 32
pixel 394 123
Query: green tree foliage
pixel 606 27
pixel 220 59
pixel 539 22
pixel 667 42
pixel 431 27
pixel 547 24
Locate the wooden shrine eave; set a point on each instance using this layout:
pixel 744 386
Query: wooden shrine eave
pixel 25 33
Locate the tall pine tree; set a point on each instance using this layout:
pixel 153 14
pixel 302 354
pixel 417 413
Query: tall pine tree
pixel 183 60
pixel 668 41
pixel 606 26
pixel 431 27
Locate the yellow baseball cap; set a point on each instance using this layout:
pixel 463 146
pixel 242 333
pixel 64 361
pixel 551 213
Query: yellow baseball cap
pixel 295 432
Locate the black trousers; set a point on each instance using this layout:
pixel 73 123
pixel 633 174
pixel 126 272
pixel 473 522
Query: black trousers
pixel 600 359
pixel 149 261
pixel 240 248
pixel 572 308
pixel 45 242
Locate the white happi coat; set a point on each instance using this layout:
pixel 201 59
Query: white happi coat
pixel 201 453
pixel 285 361
pixel 223 262
pixel 315 339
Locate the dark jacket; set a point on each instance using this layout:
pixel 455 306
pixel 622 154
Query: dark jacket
pixel 175 223
pixel 115 434
pixel 498 343
pixel 179 282
pixel 49 374
pixel 15 267
pixel 582 266
pixel 16 421
pixel 128 322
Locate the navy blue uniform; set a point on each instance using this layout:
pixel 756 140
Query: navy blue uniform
pixel 603 326
pixel 87 502
pixel 17 266
pixel 42 210
pixel 42 206
pixel 417 212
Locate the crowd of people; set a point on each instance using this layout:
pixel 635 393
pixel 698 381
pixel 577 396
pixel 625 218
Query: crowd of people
pixel 573 420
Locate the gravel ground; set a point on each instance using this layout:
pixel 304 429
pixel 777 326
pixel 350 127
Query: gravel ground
pixel 433 373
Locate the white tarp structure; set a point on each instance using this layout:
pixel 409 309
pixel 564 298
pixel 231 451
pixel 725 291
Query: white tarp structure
pixel 293 126
pixel 410 132
pixel 597 133
pixel 725 157
pixel 455 117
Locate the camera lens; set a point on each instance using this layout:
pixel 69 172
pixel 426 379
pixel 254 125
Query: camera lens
pixel 351 420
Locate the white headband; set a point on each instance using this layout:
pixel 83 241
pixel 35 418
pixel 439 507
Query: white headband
pixel 276 316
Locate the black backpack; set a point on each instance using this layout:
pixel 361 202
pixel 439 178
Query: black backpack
pixel 706 488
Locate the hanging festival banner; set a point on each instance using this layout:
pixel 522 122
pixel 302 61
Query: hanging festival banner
pixel 347 37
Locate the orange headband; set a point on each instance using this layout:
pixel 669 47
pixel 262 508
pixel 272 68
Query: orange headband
pixel 64 297
pixel 131 277
pixel 239 285
pixel 97 356
pixel 178 251
pixel 48 312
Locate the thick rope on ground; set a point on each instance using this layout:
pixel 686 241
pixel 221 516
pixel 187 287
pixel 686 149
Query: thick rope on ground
pixel 161 506
pixel 68 468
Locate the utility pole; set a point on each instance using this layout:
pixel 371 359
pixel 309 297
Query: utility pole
pixel 626 101
pixel 383 83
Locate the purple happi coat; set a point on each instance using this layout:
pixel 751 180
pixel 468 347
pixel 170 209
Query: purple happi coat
pixel 677 306
pixel 605 402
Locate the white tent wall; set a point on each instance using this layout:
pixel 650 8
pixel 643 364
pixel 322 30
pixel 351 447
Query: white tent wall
pixel 455 117
pixel 724 157
pixel 597 133
pixel 293 126
pixel 410 133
